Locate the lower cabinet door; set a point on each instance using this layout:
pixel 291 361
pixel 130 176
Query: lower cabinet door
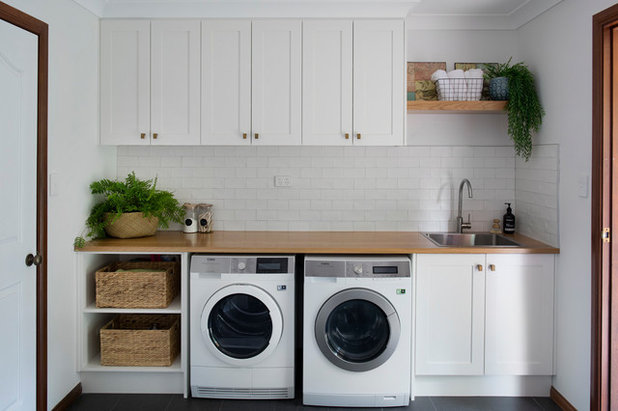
pixel 520 314
pixel 450 310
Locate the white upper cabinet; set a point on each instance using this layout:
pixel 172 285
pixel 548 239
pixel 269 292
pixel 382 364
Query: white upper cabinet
pixel 379 82
pixel 125 82
pixel 327 82
pixel 520 314
pixel 226 82
pixel 276 82
pixel 450 309
pixel 175 82
pixel 150 82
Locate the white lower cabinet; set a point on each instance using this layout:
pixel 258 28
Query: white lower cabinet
pixel 449 314
pixel 520 314
pixel 480 314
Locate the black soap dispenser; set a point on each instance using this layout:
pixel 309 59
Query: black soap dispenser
pixel 508 223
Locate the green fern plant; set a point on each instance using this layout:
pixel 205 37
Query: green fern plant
pixel 128 196
pixel 524 110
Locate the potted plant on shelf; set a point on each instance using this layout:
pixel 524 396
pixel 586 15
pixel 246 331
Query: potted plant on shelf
pixel 515 83
pixel 130 208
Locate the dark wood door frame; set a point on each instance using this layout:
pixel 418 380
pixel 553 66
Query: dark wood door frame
pixel 40 29
pixel 602 186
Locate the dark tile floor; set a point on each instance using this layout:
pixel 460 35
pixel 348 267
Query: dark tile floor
pixel 172 402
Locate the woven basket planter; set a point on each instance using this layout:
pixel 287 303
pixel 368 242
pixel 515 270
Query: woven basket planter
pixel 150 289
pixel 144 340
pixel 131 225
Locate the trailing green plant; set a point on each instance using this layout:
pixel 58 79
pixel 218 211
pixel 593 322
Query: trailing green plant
pixel 128 196
pixel 524 110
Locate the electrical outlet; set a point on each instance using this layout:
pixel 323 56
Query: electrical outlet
pixel 283 181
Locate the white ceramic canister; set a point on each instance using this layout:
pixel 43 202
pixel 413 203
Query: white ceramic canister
pixel 191 223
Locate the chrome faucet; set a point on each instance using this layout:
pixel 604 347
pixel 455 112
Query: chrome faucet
pixel 460 222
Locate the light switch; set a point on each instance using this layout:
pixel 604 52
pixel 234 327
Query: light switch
pixel 582 185
pixel 54 189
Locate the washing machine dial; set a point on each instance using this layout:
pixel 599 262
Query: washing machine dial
pixel 358 269
pixel 242 266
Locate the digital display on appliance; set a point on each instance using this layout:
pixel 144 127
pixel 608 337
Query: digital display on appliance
pixel 272 265
pixel 385 269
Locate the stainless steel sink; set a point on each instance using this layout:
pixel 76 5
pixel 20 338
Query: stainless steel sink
pixel 470 240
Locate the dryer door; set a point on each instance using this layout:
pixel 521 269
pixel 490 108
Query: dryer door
pixel 241 324
pixel 357 329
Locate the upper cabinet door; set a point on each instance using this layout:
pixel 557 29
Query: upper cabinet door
pixel 379 82
pixel 175 69
pixel 276 81
pixel 327 82
pixel 226 82
pixel 520 314
pixel 125 82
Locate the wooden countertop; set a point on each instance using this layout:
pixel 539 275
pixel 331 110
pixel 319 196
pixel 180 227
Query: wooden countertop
pixel 303 242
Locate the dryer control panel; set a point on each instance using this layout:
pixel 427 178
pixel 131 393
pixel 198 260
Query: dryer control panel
pixel 242 264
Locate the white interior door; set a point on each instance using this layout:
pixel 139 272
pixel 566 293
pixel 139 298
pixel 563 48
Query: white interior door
pixel 18 125
pixel 327 82
pixel 226 82
pixel 379 82
pixel 276 82
pixel 175 76
pixel 125 82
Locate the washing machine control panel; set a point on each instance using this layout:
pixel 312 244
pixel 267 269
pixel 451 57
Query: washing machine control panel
pixel 361 268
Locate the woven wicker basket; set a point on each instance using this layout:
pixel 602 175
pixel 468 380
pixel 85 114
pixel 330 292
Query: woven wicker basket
pixel 140 340
pixel 131 225
pixel 154 289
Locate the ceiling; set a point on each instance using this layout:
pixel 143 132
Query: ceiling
pixel 421 14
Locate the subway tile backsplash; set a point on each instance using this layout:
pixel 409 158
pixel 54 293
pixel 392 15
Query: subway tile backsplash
pixel 410 188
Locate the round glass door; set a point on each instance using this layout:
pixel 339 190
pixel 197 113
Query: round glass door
pixel 357 329
pixel 239 325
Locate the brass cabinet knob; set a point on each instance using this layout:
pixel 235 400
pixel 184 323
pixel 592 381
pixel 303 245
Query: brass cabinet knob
pixel 492 267
pixel 479 267
pixel 347 136
pixel 244 136
pixel 155 135
pixel 142 136
pixel 358 136
pixel 256 136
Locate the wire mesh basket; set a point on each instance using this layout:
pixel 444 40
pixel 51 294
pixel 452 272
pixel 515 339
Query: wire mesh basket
pixel 459 89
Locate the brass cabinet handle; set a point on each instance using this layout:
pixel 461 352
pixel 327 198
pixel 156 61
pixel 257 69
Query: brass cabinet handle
pixel 347 136
pixel 479 267
pixel 244 136
pixel 358 136
pixel 256 136
pixel 492 267
pixel 155 135
pixel 142 136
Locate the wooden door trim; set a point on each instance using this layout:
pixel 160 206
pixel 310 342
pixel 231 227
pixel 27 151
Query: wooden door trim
pixel 600 213
pixel 40 29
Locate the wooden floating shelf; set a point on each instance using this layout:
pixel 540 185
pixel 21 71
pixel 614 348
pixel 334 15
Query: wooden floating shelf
pixel 458 106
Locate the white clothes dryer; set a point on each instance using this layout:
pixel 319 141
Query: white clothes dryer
pixel 242 326
pixel 357 331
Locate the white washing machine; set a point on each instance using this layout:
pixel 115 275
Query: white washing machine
pixel 242 326
pixel 357 331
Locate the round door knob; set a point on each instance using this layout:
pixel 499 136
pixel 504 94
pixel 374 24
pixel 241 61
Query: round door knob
pixel 358 269
pixel 242 266
pixel 34 259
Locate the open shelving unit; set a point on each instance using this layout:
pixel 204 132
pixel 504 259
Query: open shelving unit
pixel 96 377
pixel 457 106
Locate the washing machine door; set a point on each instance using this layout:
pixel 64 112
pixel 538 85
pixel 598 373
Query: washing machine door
pixel 357 329
pixel 241 324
